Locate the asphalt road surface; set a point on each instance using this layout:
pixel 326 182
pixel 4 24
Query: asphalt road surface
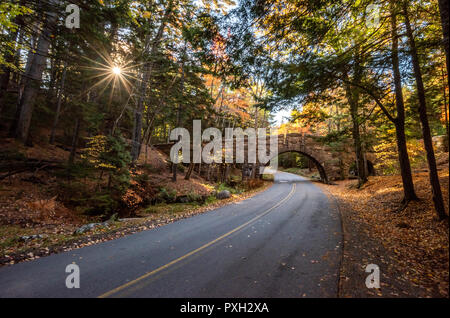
pixel 283 242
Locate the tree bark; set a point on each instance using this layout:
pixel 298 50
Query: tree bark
pixel 227 172
pixel 5 73
pixel 447 128
pixel 352 94
pixel 31 88
pixel 73 149
pixel 4 81
pixel 174 172
pixel 58 106
pixel 23 79
pixel 444 12
pixel 427 139
pixel 189 172
pixel 403 157
pixel 148 67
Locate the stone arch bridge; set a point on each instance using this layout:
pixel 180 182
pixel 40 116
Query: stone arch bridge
pixel 332 163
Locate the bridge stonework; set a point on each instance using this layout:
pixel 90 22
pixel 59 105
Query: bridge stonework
pixel 332 163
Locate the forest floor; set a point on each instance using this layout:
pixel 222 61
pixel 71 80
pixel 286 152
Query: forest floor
pixel 411 247
pixel 35 222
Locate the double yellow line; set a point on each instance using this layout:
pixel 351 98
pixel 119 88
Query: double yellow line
pixel 159 269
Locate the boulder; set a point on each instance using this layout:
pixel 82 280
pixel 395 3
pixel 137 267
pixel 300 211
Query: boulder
pixel 225 194
pixel 88 227
pixel 182 199
pixel 30 237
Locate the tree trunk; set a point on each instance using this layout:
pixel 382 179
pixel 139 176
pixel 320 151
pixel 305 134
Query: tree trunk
pixel 447 128
pixel 403 157
pixel 31 88
pixel 405 166
pixel 148 67
pixel 358 144
pixel 208 173
pixel 174 172
pixel 352 94
pixel 58 106
pixel 53 77
pixel 73 149
pixel 189 172
pixel 444 12
pixel 227 172
pixel 5 73
pixel 427 139
pixel 23 79
pixel 4 81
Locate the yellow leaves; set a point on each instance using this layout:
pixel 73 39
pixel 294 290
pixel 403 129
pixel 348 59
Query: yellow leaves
pixel 146 14
pixel 105 165
pixel 96 147
pixel 387 155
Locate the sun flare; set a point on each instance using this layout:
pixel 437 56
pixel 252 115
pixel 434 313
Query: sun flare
pixel 116 70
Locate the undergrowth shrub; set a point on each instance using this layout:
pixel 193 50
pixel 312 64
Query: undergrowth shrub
pixel 167 195
pixel 253 184
pixel 98 182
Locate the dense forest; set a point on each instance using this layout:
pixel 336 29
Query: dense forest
pixel 118 76
pixel 108 71
pixel 87 89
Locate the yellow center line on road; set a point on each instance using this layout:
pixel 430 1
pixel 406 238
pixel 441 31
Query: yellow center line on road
pixel 159 269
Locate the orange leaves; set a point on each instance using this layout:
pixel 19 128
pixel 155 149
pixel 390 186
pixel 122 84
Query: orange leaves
pixel 218 48
pixel 411 241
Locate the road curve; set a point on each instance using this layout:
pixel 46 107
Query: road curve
pixel 283 242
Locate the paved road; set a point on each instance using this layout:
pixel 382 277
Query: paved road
pixel 283 242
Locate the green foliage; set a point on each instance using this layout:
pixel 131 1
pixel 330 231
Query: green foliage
pixel 233 190
pixel 167 195
pixel 181 168
pixel 102 203
pixel 78 170
pixel 142 178
pixel 110 154
pixel 268 177
pixel 194 197
pixel 73 193
pixel 83 184
pixel 8 13
pixel 387 156
pixel 210 199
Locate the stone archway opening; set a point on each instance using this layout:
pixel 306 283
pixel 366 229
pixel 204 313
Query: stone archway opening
pixel 315 163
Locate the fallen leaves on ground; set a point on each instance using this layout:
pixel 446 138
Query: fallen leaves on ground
pixel 412 244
